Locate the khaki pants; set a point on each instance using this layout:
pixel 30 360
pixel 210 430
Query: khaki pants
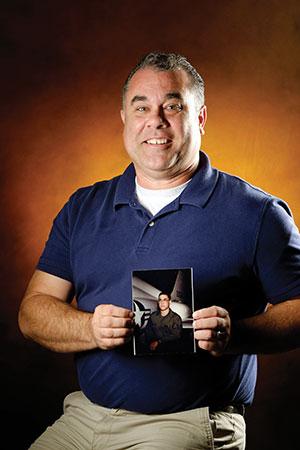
pixel 86 426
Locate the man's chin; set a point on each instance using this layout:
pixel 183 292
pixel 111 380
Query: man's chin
pixel 159 166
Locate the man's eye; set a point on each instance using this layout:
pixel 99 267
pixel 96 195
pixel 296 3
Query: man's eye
pixel 141 108
pixel 174 107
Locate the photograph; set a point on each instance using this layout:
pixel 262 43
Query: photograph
pixel 163 304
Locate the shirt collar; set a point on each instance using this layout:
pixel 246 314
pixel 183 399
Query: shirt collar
pixel 125 190
pixel 197 193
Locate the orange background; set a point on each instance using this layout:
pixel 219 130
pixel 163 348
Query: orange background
pixel 63 67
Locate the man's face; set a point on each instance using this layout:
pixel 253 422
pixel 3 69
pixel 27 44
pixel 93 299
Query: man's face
pixel 162 125
pixel 163 302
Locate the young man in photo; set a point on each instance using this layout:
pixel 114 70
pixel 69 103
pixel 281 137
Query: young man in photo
pixel 164 326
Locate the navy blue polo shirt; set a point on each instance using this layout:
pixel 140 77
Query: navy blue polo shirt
pixel 244 249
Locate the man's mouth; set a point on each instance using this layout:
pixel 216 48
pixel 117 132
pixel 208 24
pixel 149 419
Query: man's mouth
pixel 156 141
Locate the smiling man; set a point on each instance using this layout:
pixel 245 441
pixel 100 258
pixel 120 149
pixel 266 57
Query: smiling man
pixel 169 209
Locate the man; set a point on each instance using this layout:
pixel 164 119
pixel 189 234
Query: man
pixel 163 327
pixel 170 208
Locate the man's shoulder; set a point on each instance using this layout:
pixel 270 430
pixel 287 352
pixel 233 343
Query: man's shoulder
pixel 87 200
pixel 241 187
pixel 116 190
pixel 240 196
pixel 98 188
pixel 175 314
pixel 94 194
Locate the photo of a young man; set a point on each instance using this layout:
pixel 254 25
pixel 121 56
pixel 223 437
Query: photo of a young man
pixel 162 302
pixel 164 327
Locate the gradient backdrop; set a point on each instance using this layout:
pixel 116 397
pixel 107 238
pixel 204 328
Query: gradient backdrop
pixel 63 66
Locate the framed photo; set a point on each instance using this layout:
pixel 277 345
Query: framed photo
pixel 163 304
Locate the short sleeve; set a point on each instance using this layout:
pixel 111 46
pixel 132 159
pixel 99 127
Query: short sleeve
pixel 277 260
pixel 55 258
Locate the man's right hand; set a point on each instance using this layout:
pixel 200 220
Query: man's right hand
pixel 47 317
pixel 111 326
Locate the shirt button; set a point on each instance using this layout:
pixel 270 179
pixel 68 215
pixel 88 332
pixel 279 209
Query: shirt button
pixel 151 224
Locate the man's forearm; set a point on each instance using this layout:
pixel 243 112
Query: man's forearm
pixel 276 330
pixel 55 324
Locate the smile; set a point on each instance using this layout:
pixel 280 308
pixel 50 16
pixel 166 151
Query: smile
pixel 161 141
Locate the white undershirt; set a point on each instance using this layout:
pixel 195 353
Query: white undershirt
pixel 156 199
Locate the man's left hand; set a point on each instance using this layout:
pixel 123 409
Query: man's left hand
pixel 212 329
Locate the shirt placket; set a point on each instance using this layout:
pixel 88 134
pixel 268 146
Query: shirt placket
pixel 149 230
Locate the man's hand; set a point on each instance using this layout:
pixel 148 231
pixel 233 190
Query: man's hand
pixel 111 326
pixel 212 329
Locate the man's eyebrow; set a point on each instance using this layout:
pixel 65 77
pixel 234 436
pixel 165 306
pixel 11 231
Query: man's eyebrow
pixel 138 98
pixel 169 95
pixel 174 95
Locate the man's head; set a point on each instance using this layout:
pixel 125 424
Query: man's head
pixel 169 62
pixel 164 117
pixel 163 302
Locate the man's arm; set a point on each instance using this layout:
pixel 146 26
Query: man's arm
pixel 276 330
pixel 46 317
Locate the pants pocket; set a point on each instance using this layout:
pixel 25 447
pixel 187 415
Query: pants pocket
pixel 228 430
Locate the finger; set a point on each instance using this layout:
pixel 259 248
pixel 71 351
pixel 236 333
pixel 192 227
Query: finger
pixel 205 335
pixel 115 333
pixel 211 341
pixel 108 343
pixel 211 348
pixel 212 345
pixel 212 311
pixel 114 322
pixel 114 311
pixel 117 337
pixel 211 335
pixel 210 323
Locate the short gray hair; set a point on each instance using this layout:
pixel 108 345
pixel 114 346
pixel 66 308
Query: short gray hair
pixel 169 62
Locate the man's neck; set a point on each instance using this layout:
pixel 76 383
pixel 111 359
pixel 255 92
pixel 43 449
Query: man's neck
pixel 165 313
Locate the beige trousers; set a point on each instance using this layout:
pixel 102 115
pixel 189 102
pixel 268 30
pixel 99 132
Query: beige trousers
pixel 86 426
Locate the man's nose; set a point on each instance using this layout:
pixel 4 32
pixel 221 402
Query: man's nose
pixel 157 119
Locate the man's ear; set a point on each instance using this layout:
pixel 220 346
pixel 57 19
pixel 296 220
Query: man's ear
pixel 202 119
pixel 122 114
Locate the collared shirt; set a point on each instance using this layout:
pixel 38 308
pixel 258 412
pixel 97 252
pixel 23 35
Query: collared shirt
pixel 243 247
